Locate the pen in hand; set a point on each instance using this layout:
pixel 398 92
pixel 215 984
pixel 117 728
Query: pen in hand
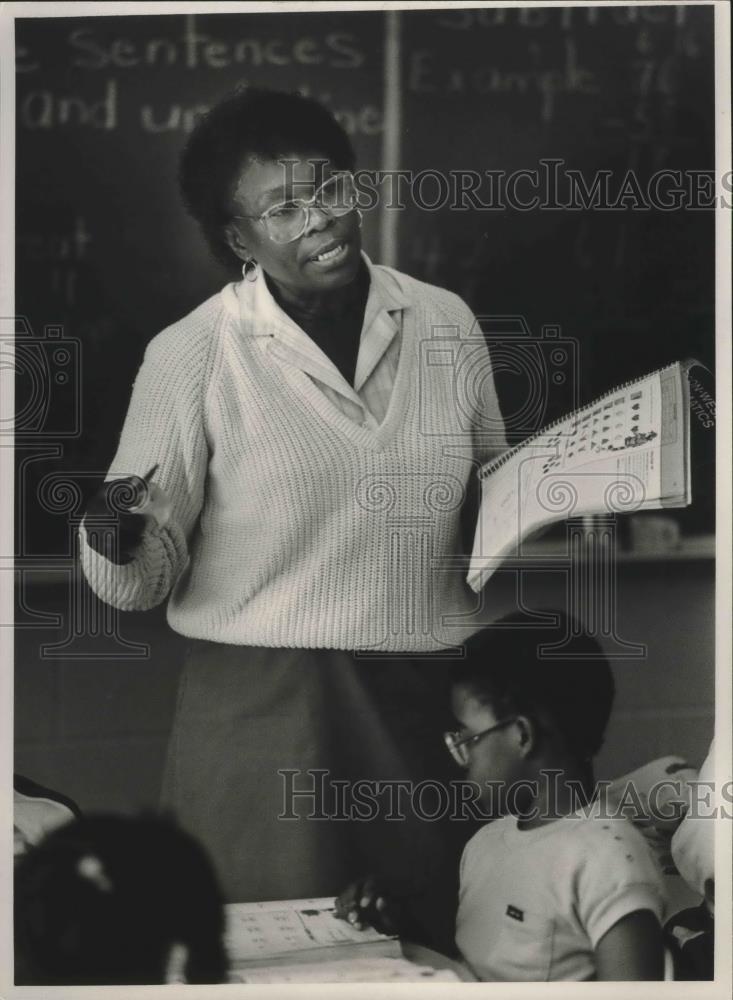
pixel 143 493
pixel 364 904
pixel 132 494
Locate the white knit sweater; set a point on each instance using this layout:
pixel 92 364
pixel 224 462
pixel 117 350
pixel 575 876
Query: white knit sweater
pixel 293 525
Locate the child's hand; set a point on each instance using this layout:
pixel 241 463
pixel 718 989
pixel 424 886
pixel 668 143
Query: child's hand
pixel 365 904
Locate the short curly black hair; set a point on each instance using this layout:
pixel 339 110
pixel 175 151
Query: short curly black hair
pixel 251 122
pixel 574 688
pixel 101 900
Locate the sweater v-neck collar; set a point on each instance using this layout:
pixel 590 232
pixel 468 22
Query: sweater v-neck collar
pixel 385 298
pixel 374 437
pixel 305 361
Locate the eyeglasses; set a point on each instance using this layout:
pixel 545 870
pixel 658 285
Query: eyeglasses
pixel 288 220
pixel 458 745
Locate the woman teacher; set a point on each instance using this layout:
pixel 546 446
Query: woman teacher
pixel 311 460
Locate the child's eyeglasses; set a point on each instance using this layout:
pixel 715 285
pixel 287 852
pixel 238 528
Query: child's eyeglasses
pixel 458 744
pixel 287 221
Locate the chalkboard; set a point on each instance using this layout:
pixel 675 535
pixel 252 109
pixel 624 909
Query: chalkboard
pixel 621 95
pixel 105 251
pixel 106 257
pixel 626 90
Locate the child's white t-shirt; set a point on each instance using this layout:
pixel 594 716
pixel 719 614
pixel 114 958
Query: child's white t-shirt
pixel 534 903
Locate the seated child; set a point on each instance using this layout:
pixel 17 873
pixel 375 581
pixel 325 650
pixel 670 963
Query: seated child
pixel 109 900
pixel 550 888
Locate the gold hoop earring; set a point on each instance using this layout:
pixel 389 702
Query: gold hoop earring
pixel 361 216
pixel 250 269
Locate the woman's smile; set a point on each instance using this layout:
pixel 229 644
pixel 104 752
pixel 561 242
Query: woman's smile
pixel 331 254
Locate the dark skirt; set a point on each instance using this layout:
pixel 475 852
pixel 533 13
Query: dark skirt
pixel 254 724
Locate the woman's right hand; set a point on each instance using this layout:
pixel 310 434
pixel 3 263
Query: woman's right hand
pixel 366 904
pixel 136 504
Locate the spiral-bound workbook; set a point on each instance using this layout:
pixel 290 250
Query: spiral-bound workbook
pixel 626 451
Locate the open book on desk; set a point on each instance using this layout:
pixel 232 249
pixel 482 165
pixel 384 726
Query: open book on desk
pixel 301 940
pixel 627 451
pixel 298 930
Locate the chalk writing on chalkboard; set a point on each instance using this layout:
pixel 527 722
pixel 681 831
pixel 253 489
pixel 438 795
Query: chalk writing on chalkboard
pixel 92 53
pixel 426 76
pixel 193 49
pixel 564 17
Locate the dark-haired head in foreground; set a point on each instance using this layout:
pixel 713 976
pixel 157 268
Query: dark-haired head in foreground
pixel 110 900
pixel 550 706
